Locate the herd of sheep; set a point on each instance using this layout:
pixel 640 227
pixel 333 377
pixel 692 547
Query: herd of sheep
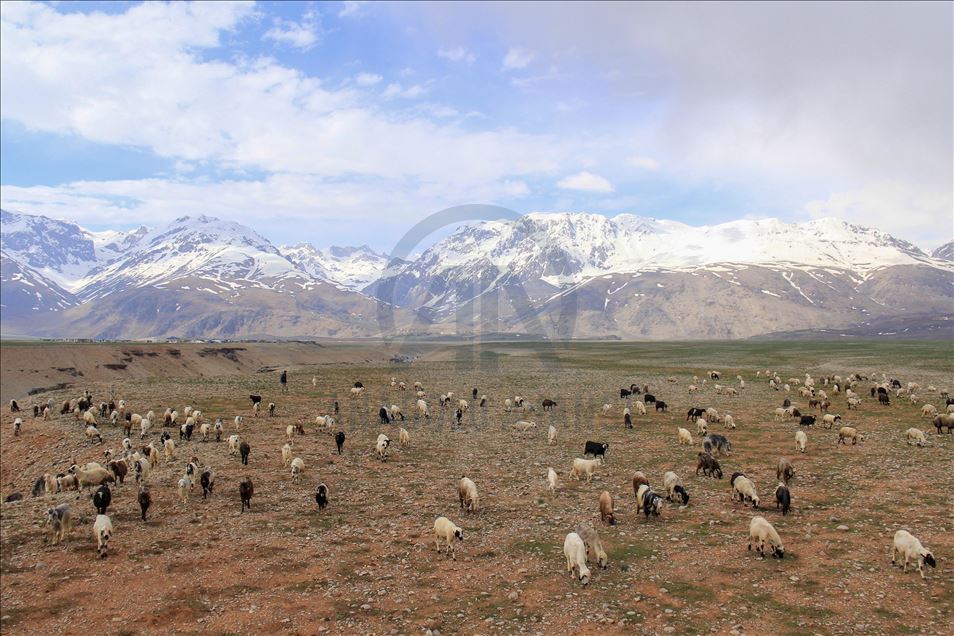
pixel 582 547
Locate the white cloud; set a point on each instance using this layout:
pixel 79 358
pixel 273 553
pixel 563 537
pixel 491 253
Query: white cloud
pixel 644 163
pixel 457 54
pixel 893 207
pixel 517 58
pixel 139 79
pixel 352 8
pixel 586 182
pixel 300 35
pixel 367 79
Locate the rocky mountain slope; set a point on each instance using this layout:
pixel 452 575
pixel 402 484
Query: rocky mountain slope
pixel 559 275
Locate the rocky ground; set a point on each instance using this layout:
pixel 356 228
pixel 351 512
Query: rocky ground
pixel 367 564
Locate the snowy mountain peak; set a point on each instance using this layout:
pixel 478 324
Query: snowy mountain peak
pixel 351 268
pixel 945 252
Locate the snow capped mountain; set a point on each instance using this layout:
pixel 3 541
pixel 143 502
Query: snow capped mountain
pixel 218 256
pixel 562 275
pixel 945 252
pixel 351 268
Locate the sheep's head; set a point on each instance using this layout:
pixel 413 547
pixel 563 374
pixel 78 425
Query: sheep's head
pixel 602 559
pixel 755 501
pixel 584 575
pixel 459 534
pixel 929 558
pixel 778 551
pixel 683 494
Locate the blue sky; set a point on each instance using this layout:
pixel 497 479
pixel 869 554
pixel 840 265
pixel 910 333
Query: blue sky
pixel 346 122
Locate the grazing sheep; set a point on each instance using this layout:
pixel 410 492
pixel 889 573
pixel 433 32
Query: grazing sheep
pixel 234 441
pixel 246 490
pixel 906 545
pixel 483 400
pixel 639 479
pixel 783 498
pixel 286 454
pixel 685 437
pixel 422 410
pixel 702 427
pixel 384 415
pixel 523 426
pixel 575 552
pixel 627 420
pixel 169 447
pixel 321 496
pixel 640 407
pixel 745 489
pixel 784 471
pixel 830 420
pixel 648 501
pixel 915 436
pixel 801 440
pixel 728 421
pixel 595 449
pixel 297 468
pixel 185 487
pixel 709 466
pixel 467 493
pixel 60 520
pixel 340 440
pixel 847 432
pixel 606 409
pixel 761 531
pixel 244 450
pixel 103 531
pixel 594 547
pixel 552 480
pixel 674 488
pixel 145 500
pixel 102 498
pixel 607 517
pixel 660 405
pixel 381 447
pixel 945 420
pixel 92 475
pixel 404 437
pixel 584 468
pixel 290 431
pixel 396 413
pixel 207 480
pixel 446 531
pixel 719 443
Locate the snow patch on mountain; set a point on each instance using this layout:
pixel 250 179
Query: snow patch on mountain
pixel 351 268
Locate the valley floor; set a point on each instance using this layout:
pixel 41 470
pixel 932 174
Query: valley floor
pixel 367 564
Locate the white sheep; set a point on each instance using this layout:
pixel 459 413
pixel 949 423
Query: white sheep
pixel 356 391
pixel 169 447
pixel 422 409
pixel 286 454
pixel 552 480
pixel 702 426
pixel 144 427
pixel 463 405
pixel 445 530
pixel 685 437
pixel 381 446
pixel 92 433
pixel 640 407
pixel 185 487
pixel 745 488
pixel 606 409
pixel 290 431
pixel 847 432
pixel 234 441
pixel 760 532
pixel 584 468
pixel 103 531
pixel 801 440
pixel 915 436
pixel 508 405
pixel 928 410
pixel 728 420
pixel 780 414
pixel 594 547
pixel 204 430
pixel 575 552
pixel 467 493
pixel 297 468
pixel 907 545
pixel 523 426
pixel 675 491
pixel 255 408
pixel 404 437
pixel 551 435
pixel 693 388
pixel 238 422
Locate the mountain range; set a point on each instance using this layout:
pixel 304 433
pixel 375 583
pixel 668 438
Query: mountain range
pixel 550 275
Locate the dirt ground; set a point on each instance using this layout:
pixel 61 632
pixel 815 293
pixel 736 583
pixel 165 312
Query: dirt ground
pixel 367 564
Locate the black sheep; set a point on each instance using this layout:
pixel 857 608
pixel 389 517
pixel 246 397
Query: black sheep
pixel 693 413
pixel 256 399
pixel 783 498
pixel 145 500
pixel 16 496
pixel 596 449
pixel 14 407
pixel 661 406
pixel 321 496
pixel 244 450
pixel 339 440
pixel 649 398
pixel 101 499
pixel 628 420
pixel 807 420
pixel 384 415
pixel 208 482
pixel 246 490
pixel 624 393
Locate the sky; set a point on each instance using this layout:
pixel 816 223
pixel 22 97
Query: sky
pixel 348 122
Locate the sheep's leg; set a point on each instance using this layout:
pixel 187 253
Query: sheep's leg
pixel 920 566
pixel 905 568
